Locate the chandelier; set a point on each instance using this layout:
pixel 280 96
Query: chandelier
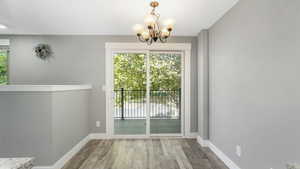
pixel 152 31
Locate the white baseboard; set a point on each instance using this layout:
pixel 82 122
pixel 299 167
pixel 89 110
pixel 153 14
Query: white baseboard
pixel 63 160
pixel 191 135
pixel 229 163
pixel 43 167
pixel 105 136
pixel 222 156
pixel 97 136
pixel 202 142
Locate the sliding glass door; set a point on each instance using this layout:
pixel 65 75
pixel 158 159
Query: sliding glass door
pixel 130 94
pixel 147 93
pixel 165 93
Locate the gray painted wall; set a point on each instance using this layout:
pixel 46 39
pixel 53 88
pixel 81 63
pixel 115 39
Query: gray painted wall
pixel 44 125
pixel 203 84
pixel 69 120
pixel 25 130
pixel 79 59
pixel 255 65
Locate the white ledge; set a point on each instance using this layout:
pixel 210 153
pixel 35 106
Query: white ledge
pixel 42 88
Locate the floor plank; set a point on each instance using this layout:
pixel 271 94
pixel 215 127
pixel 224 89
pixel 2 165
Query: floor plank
pixel 82 155
pixel 144 154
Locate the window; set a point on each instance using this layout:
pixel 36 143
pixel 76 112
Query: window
pixel 3 65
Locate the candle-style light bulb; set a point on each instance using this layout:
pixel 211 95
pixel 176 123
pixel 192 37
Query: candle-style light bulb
pixel 150 21
pixel 138 29
pixel 169 24
pixel 146 35
pixel 165 33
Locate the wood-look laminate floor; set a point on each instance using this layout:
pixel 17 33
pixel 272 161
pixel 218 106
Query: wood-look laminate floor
pixel 144 154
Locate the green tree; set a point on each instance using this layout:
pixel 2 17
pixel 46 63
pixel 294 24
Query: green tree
pixel 165 71
pixel 3 67
pixel 130 71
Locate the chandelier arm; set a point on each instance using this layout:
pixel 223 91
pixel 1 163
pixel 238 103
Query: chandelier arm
pixel 162 40
pixel 141 39
pixel 169 34
pixel 151 32
pixel 149 42
pixel 158 27
pixel 156 21
pixel 152 11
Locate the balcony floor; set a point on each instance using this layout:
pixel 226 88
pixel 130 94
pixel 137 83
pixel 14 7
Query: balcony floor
pixel 138 126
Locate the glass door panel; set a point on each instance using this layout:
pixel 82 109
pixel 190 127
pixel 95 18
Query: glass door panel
pixel 165 92
pixel 3 65
pixel 130 83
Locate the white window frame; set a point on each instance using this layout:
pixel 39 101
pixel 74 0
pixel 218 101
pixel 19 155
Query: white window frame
pixel 182 47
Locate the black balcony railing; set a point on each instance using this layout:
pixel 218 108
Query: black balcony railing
pixel 131 104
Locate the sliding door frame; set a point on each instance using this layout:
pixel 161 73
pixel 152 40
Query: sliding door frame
pixel 111 88
pixel 182 83
pixel 184 48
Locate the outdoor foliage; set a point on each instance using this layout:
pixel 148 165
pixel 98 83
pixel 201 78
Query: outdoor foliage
pixel 130 71
pixel 3 67
pixel 165 71
pixel 130 74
